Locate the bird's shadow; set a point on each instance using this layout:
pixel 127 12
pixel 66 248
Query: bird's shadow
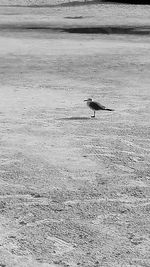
pixel 74 118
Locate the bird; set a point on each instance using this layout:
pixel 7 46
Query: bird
pixel 96 106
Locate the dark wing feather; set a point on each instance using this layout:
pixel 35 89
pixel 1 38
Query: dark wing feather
pixel 96 106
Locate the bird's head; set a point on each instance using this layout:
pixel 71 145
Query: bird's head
pixel 88 100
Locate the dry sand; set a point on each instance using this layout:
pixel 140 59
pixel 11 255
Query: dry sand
pixel 74 191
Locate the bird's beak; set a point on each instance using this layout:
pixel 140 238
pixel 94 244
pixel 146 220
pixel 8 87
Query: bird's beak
pixel 85 99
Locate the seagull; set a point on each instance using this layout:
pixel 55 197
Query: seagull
pixel 96 106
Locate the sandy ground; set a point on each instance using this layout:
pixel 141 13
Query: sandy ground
pixel 74 191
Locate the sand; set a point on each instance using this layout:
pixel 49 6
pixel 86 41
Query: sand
pixel 74 191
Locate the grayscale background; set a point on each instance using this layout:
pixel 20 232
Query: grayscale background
pixel 74 190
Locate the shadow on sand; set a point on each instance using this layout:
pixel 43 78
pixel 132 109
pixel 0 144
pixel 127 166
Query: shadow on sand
pixel 74 118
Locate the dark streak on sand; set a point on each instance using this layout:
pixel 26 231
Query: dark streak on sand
pixel 134 30
pixel 110 30
pixel 75 118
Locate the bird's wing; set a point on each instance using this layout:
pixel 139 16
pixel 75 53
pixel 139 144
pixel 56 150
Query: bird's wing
pixel 96 106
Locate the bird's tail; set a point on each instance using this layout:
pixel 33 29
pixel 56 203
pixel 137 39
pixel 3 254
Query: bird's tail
pixel 109 109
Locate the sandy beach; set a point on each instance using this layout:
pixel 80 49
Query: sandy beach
pixel 74 190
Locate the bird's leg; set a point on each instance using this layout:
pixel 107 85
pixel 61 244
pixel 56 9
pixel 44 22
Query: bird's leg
pixel 93 115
